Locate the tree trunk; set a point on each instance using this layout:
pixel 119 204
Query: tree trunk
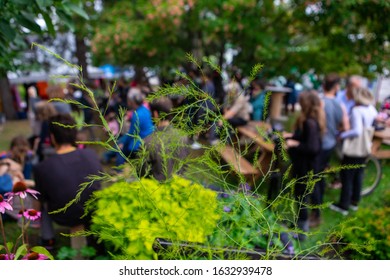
pixel 81 50
pixel 6 98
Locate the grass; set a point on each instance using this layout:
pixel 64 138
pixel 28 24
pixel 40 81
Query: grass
pixel 12 129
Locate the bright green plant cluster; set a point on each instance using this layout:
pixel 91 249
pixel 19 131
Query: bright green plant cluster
pixel 130 216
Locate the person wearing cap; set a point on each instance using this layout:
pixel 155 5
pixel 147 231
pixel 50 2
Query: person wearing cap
pixel 362 116
pixel 141 125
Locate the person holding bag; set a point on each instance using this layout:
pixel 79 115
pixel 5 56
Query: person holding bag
pixel 356 147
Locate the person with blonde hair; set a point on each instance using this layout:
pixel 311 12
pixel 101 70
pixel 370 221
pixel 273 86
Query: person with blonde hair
pixel 362 118
pixel 304 147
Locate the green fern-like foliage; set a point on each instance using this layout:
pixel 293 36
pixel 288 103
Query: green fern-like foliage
pixel 246 223
pixel 133 211
pixel 130 216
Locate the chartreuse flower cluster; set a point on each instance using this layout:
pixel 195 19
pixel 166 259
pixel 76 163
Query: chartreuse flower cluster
pixel 130 216
pixel 11 251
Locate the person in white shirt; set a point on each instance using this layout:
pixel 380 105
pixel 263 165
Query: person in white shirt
pixel 362 116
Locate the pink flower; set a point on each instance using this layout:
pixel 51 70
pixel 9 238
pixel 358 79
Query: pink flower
pixel 20 214
pixel 6 257
pixel 4 205
pixel 32 214
pixel 35 256
pixel 20 189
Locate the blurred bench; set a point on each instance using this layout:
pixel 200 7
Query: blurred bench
pixel 238 163
pixel 251 131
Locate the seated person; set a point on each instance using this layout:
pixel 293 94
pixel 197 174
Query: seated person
pixel 10 173
pixel 236 111
pixel 167 147
pixel 141 126
pixel 58 179
pixel 21 153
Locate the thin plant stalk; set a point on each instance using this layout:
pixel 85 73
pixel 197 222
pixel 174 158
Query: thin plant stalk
pixel 4 238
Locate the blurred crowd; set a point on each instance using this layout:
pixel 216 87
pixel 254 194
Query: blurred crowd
pixel 56 162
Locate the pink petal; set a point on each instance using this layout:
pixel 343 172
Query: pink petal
pixel 8 207
pixel 9 194
pixel 33 193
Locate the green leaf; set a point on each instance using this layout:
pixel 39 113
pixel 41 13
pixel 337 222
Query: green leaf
pixel 49 24
pixel 22 250
pixel 10 245
pixel 21 2
pixel 75 9
pixel 43 251
pixel 27 21
pixel 44 3
pixel 7 31
pixel 88 252
pixel 66 19
pixel 66 253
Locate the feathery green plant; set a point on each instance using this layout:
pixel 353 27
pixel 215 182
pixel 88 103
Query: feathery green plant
pixel 259 222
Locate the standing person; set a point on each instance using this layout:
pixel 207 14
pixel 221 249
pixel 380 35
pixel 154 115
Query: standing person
pixel 258 99
pixel 122 89
pixel 336 121
pixel 219 88
pixel 291 97
pixel 57 92
pixel 304 148
pixel 345 96
pixel 208 84
pixel 203 109
pixel 59 178
pixel 33 99
pixel 42 144
pixel 362 117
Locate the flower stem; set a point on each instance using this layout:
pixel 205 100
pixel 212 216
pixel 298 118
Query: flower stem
pixel 4 239
pixel 24 235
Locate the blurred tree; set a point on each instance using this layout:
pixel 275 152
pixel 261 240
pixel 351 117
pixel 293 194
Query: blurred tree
pixel 18 20
pixel 349 36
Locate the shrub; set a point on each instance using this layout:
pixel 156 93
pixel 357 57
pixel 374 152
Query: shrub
pixel 130 216
pixel 370 231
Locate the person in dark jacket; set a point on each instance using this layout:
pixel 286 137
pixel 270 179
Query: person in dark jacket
pixel 59 178
pixel 304 148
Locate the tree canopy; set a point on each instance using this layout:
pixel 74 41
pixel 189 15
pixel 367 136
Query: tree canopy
pixel 344 36
pixel 21 18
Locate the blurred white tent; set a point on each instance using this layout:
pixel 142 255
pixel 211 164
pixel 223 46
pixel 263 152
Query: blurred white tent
pixel 64 70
